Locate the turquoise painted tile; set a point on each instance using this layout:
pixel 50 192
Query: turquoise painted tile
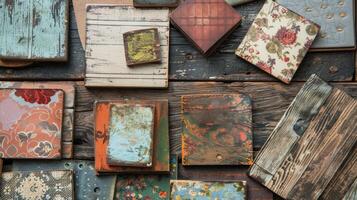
pixel 199 190
pixel 131 135
pixel 88 186
pixel 34 29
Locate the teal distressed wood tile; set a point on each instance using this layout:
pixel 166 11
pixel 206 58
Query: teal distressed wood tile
pixel 34 29
pixel 131 135
pixel 88 185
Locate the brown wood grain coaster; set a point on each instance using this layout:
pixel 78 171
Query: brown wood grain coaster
pixel 313 148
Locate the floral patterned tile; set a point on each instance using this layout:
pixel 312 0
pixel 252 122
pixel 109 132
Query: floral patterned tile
pixel 31 123
pixel 52 185
pixel 278 41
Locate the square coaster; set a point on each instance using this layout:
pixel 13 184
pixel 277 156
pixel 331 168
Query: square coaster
pixel 278 41
pixel 217 129
pixel 186 189
pixel 155 3
pixel 336 18
pixel 312 149
pixel 160 158
pixel 35 30
pixel 131 135
pixel 37 185
pixel 142 46
pixel 155 187
pixel 205 22
pixel 87 185
pixel 31 123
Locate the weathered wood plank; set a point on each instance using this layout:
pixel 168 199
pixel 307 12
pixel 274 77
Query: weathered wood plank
pixel 34 29
pixel 319 141
pixel 105 54
pixel 352 193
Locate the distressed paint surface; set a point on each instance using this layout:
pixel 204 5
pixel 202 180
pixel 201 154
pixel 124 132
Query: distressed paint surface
pixel 204 23
pixel 131 135
pixel 105 52
pixel 238 2
pixel 336 18
pixel 88 185
pixel 311 145
pixel 34 29
pixel 217 129
pixel 37 185
pixel 142 47
pixel 68 113
pixel 161 162
pixel 155 3
pixel 199 190
pixel 31 123
pixel 148 187
pixel 174 164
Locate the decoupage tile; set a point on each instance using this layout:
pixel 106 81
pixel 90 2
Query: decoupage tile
pixel 205 22
pixel 278 41
pixel 42 36
pixel 312 150
pixel 37 185
pixel 155 187
pixel 187 189
pixel 88 186
pixel 31 123
pixel 155 3
pixel 336 18
pixel 142 46
pixel 105 52
pixel 160 164
pixel 217 129
pixel 131 135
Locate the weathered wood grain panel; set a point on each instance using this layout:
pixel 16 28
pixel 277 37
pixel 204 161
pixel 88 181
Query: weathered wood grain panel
pixel 34 29
pixel 352 193
pixel 319 140
pixel 105 54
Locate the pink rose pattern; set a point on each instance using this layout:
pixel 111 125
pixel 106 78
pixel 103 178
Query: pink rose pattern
pixel 277 41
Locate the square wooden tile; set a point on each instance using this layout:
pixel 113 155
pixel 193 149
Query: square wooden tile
pixel 312 151
pixel 35 30
pixel 205 22
pixel 187 189
pixel 161 162
pixel 142 47
pixel 217 129
pixel 278 41
pixel 131 135
pixel 31 123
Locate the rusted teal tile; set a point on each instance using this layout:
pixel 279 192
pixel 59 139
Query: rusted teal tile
pixel 34 29
pixel 131 135
pixel 88 186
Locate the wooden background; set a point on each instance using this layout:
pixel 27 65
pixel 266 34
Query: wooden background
pixel 191 73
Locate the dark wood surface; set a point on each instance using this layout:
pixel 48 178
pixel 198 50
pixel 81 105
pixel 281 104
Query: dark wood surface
pixel 191 73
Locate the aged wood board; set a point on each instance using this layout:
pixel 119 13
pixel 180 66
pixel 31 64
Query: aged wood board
pixel 161 162
pixel 87 185
pixel 105 54
pixel 80 6
pixel 131 135
pixel 29 185
pixel 217 129
pixel 204 24
pixel 155 3
pixel 187 189
pixel 310 144
pixel 43 36
pixel 68 113
pixel 34 127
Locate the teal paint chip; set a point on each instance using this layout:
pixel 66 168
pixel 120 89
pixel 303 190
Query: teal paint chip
pixel 34 29
pixel 131 135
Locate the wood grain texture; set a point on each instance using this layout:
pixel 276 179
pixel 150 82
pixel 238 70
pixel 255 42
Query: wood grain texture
pixel 319 140
pixel 105 54
pixel 352 193
pixel 34 29
pixel 68 113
